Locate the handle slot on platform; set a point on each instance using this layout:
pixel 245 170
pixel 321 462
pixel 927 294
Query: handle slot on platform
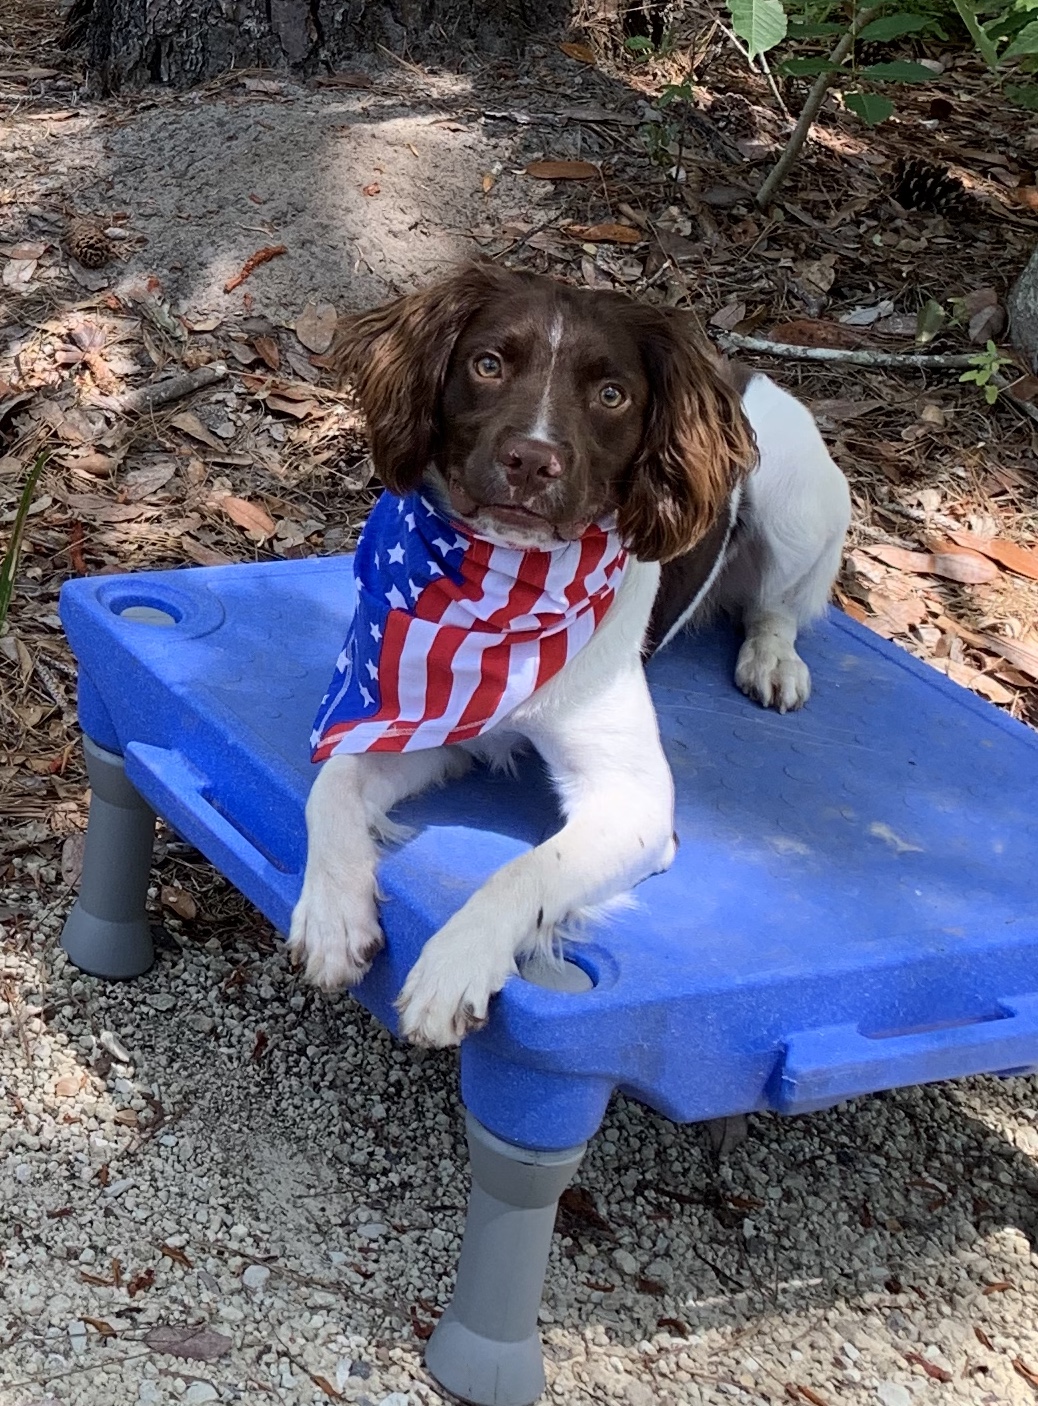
pixel 179 792
pixel 821 1067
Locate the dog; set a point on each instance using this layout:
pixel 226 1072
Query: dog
pixel 533 418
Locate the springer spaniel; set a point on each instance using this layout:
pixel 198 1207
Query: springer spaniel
pixel 618 478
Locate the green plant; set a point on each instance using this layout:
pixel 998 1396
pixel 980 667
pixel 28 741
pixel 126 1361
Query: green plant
pixel 9 564
pixel 1003 32
pixel 986 366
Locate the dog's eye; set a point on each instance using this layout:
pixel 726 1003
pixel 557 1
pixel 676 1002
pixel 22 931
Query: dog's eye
pixel 612 397
pixel 488 366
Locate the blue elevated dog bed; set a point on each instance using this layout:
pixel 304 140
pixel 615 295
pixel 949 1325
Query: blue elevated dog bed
pixel 852 907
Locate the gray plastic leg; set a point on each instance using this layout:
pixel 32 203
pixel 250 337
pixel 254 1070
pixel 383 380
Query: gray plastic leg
pixel 107 933
pixel 486 1348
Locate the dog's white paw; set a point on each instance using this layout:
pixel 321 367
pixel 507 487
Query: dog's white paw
pixel 772 672
pixel 335 929
pixel 447 994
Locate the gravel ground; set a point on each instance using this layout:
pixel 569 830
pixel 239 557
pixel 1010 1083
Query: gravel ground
pixel 220 1186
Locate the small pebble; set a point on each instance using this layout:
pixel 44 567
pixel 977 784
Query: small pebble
pixel 894 1394
pixel 255 1276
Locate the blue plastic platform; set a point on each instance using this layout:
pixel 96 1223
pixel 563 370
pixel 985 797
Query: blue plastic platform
pixel 853 906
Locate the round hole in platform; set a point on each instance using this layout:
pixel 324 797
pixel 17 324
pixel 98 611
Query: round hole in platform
pixel 148 615
pixel 557 976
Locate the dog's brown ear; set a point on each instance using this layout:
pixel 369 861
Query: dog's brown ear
pixel 697 443
pixel 396 357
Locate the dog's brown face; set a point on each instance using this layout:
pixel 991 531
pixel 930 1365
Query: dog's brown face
pixel 542 409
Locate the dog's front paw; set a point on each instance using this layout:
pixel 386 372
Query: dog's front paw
pixel 447 995
pixel 772 672
pixel 335 930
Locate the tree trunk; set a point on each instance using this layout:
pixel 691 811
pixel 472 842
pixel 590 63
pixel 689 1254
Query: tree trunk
pixel 1023 312
pixel 180 42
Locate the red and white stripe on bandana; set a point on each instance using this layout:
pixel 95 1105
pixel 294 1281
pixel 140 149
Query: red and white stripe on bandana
pixel 451 633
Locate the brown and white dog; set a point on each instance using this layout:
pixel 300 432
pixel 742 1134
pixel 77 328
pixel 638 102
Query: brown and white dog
pixel 529 410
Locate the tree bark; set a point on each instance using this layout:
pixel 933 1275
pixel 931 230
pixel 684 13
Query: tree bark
pixel 180 42
pixel 1023 312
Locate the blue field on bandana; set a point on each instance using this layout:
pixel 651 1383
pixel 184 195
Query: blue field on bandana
pixel 853 906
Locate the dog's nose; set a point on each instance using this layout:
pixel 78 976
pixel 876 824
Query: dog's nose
pixel 530 463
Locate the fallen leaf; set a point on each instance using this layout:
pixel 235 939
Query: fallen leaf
pixel 268 350
pixel 1022 560
pixel 144 1280
pixel 644 1285
pixel 178 901
pixel 999 1287
pixel 256 521
pixel 902 559
pixel 94 508
pixel 837 410
pixel 674 1325
pixel 1028 1373
pixel 141 483
pixel 96 1280
pixel 252 263
pixel 607 233
pixel 1021 656
pixel 899 615
pixel 581 52
pixel 323 1384
pixel 190 424
pixel 986 324
pixel 25 251
pixel 957 564
pixel 67 1086
pixel 259 1046
pixel 578 1203
pixel 421 1329
pixel 127 1118
pixel 373 189
pixel 816 332
pixel 722 196
pixel 100 1326
pixel 176 1255
pixel 980 298
pixel 203 555
pixel 72 858
pixel 729 316
pixel 488 183
pixel 197 1344
pixel 315 327
pixel 810 1395
pixel 18 272
pixel 300 409
pixel 983 1339
pixel 562 170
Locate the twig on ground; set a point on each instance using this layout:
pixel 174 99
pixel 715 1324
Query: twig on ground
pixel 148 398
pixel 735 341
pixel 815 98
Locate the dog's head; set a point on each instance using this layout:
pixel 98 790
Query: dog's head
pixel 545 408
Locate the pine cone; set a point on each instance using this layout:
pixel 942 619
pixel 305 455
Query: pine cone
pixel 88 244
pixel 918 185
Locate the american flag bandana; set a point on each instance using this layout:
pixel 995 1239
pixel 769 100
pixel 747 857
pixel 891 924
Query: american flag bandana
pixel 451 632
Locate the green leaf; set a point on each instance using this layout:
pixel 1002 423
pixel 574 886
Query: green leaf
pixel 760 24
pixel 978 35
pixel 809 30
pixel 930 320
pixel 893 26
pixel 1025 43
pixel 899 71
pixel 1023 97
pixel 991 394
pixel 638 44
pixel 799 68
pixel 870 107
